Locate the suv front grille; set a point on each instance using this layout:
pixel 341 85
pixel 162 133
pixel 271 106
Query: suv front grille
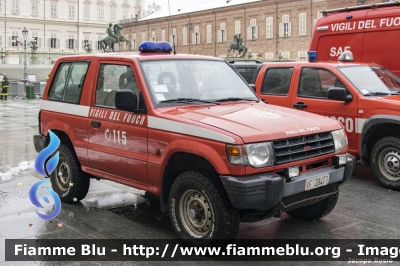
pixel 298 148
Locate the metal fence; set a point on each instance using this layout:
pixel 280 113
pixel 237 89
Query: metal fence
pixel 44 57
pixel 17 89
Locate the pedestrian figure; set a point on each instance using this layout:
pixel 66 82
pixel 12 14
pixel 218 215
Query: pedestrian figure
pixel 5 84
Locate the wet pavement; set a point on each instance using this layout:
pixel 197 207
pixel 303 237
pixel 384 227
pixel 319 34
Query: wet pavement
pixel 365 209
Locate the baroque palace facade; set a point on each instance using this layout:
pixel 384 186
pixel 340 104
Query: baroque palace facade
pixel 63 25
pixel 270 29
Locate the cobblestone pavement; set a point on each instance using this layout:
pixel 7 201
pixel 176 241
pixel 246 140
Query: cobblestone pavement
pixel 365 209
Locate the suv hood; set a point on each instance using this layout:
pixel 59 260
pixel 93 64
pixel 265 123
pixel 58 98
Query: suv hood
pixel 380 105
pixel 255 122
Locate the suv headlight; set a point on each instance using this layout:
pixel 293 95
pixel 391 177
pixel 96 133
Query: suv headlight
pixel 340 139
pixel 254 154
pixel 260 154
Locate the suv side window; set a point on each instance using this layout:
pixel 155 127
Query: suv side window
pixel 68 82
pixel 315 82
pixel 277 81
pixel 113 77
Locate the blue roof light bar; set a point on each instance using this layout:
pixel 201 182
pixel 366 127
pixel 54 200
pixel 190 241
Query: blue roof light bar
pixel 155 47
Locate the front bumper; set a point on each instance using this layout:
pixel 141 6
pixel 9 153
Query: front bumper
pixel 265 191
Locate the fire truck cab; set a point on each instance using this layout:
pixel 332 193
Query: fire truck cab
pixel 370 32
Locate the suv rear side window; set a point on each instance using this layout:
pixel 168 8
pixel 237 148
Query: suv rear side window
pixel 277 81
pixel 68 82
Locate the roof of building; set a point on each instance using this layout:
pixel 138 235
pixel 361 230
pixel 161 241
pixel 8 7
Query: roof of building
pixel 185 8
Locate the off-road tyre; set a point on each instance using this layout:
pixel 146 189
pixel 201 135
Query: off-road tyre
pixel 199 208
pixel 385 162
pixel 68 180
pixel 316 211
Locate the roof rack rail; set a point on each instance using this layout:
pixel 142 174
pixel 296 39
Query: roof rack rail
pixel 245 60
pixel 351 8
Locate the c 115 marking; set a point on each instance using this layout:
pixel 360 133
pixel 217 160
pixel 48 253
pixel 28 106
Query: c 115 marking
pixel 117 136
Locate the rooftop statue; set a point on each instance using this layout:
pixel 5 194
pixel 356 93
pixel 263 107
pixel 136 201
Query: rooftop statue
pixel 237 44
pixel 114 36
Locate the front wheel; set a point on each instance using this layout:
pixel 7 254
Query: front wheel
pixel 200 209
pixel 385 162
pixel 68 180
pixel 316 211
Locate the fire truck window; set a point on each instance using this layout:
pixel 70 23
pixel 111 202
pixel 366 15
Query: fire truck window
pixel 68 82
pixel 277 81
pixel 315 82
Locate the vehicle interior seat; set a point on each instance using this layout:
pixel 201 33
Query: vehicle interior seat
pixel 272 81
pixel 73 92
pixel 339 83
pixel 169 80
pixel 309 85
pixel 101 94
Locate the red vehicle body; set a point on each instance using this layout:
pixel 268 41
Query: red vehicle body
pixel 180 133
pixel 370 32
pixel 368 105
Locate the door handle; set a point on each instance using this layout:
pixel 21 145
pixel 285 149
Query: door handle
pixel 96 124
pixel 300 105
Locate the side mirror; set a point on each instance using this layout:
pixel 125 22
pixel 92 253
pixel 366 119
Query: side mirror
pixel 340 94
pixel 253 87
pixel 126 100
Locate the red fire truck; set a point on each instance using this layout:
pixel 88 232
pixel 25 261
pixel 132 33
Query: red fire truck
pixel 370 32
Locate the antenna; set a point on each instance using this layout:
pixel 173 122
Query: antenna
pixel 170 22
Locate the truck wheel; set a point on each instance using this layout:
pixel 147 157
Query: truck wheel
pixel 385 162
pixel 68 180
pixel 316 211
pixel 200 209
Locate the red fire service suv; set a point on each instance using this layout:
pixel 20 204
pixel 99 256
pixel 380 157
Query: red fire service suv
pixel 364 97
pixel 371 32
pixel 189 129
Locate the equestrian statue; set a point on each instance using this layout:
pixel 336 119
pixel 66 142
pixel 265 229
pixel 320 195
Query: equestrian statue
pixel 114 36
pixel 237 44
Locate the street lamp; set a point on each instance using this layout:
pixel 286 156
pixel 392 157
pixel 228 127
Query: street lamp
pixel 25 39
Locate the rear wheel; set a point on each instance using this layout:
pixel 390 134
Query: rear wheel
pixel 385 162
pixel 316 211
pixel 200 209
pixel 68 180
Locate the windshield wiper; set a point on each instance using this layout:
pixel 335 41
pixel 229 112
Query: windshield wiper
pixel 378 93
pixel 235 99
pixel 186 100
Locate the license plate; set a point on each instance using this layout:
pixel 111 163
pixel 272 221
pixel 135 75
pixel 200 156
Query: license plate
pixel 318 181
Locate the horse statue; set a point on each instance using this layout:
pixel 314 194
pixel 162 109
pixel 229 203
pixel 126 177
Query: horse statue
pixel 237 44
pixel 107 44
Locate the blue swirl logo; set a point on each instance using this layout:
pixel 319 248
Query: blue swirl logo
pixel 35 200
pixel 45 165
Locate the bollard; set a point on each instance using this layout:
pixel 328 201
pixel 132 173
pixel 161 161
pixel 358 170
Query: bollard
pixel 30 91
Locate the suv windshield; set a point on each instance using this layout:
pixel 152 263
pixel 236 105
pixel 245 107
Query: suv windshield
pixel 172 82
pixel 372 80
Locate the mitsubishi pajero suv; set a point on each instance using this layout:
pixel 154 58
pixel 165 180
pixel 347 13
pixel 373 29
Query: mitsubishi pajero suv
pixel 190 130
